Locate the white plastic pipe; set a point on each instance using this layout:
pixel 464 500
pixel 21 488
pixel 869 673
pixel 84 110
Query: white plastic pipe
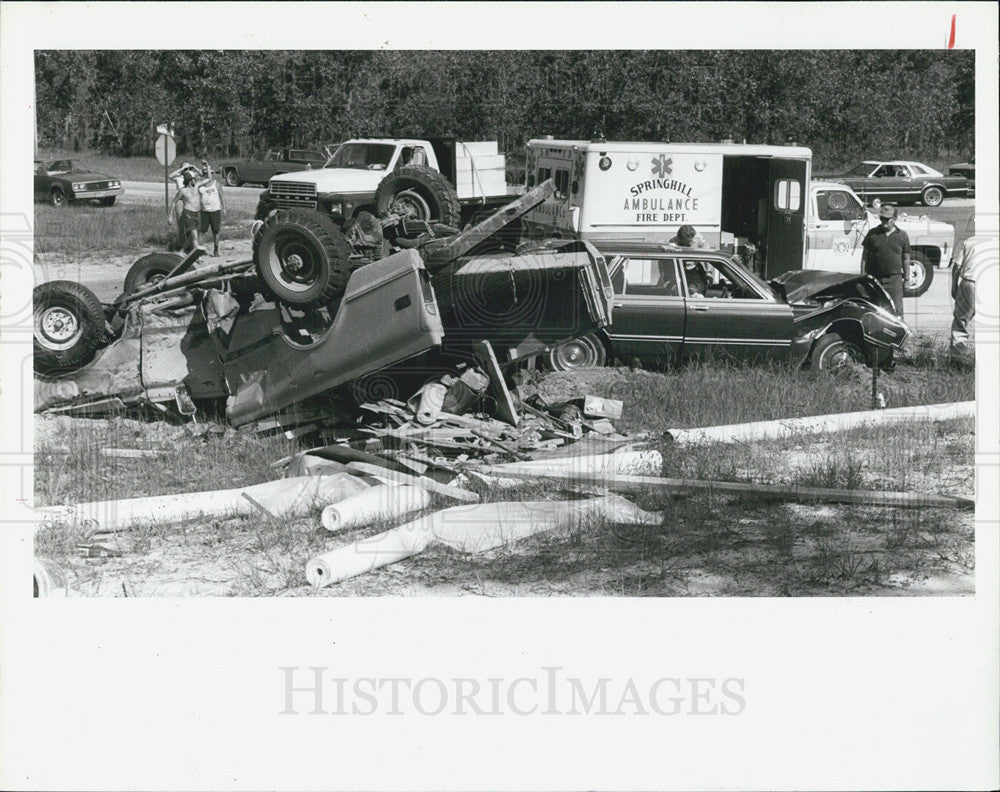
pixel 819 424
pixel 470 529
pixel 374 504
pixel 290 497
pixel 636 463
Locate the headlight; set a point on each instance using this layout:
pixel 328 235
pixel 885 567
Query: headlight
pixel 79 186
pixel 114 183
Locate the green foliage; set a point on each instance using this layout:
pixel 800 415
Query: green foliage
pixel 841 103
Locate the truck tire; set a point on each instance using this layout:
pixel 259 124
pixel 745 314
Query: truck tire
pixel 919 278
pixel 232 177
pixel 587 351
pixel 301 259
pixel 68 326
pixel 932 196
pixel 831 352
pixel 149 270
pixel 418 193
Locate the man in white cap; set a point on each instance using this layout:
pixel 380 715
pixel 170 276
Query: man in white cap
pixel 886 255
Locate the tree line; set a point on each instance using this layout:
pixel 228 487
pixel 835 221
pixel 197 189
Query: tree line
pixel 843 104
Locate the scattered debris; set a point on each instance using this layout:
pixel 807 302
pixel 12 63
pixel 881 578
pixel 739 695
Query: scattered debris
pixel 282 498
pixel 471 530
pixel 818 424
pixel 375 504
pixel 642 484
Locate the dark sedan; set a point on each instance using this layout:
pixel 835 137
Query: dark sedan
pixel 673 304
pixel 966 169
pixel 901 182
pixel 65 181
pixel 259 168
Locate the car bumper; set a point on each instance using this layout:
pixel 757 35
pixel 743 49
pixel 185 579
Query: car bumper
pixel 85 195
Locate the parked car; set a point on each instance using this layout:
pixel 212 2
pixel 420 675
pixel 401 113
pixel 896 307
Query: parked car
pixel 673 304
pixel 966 169
pixel 901 182
pixel 270 162
pixel 66 181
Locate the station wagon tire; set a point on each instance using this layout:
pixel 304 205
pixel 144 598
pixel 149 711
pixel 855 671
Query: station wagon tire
pixel 302 259
pixel 68 326
pixel 418 193
pixel 584 352
pixel 232 178
pixel 932 196
pixel 150 269
pixel 58 198
pixel 919 278
pixel 109 201
pixel 831 352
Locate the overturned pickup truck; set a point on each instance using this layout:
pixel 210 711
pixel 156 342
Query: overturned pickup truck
pixel 314 310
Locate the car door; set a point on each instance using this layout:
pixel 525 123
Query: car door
pixel 891 183
pixel 253 171
pixel 838 227
pixel 730 314
pixel 647 320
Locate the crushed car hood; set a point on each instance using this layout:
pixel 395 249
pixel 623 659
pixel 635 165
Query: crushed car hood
pixel 800 285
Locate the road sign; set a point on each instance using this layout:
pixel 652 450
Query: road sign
pixel 166 149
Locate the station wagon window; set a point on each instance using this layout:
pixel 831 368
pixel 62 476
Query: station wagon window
pixel 650 277
pixel 838 205
pixel 706 279
pixel 787 195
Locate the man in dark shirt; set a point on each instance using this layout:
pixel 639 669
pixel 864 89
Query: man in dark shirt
pixel 886 255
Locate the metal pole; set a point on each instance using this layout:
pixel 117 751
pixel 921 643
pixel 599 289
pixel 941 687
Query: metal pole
pixel 875 404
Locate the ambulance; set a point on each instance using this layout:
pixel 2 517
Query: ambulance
pixel 733 194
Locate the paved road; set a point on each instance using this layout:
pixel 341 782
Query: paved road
pixel 152 193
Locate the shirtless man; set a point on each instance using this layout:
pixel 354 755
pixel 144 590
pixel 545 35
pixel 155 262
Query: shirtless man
pixel 213 205
pixel 190 199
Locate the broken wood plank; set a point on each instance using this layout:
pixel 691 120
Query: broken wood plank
pixel 633 484
pixel 505 402
pixel 417 481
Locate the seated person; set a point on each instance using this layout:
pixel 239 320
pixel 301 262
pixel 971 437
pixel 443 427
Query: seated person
pixel 697 279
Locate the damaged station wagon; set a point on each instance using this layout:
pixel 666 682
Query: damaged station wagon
pixel 315 309
pixel 673 304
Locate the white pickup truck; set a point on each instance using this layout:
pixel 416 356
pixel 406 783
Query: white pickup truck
pixel 837 224
pixel 427 176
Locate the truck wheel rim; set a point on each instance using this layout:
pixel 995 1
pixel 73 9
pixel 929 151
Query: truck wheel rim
pixel 916 275
pixel 411 204
pixel 293 264
pixel 231 178
pixel 58 327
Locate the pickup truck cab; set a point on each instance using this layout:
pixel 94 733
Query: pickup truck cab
pixel 347 184
pixel 838 222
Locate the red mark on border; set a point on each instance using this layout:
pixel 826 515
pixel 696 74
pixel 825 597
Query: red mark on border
pixel 951 36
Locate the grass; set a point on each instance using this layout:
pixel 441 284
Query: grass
pixel 706 545
pixel 714 393
pixel 82 228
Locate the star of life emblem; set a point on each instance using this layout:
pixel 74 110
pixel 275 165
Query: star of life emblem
pixel 662 166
